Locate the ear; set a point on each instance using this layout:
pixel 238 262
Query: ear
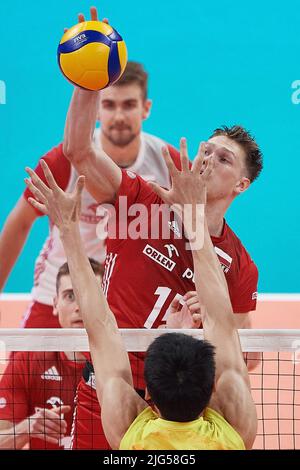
pixel 55 311
pixel 147 108
pixel 242 185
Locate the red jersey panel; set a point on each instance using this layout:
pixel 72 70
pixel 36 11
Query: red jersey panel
pixel 35 380
pixel 143 275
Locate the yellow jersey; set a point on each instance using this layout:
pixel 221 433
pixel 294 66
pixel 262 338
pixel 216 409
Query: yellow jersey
pixel 209 432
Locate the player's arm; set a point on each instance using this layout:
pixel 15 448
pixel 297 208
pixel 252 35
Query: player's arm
pixel 243 321
pixel 13 436
pixel 103 176
pixel 45 424
pixel 232 398
pixel 14 235
pixel 120 404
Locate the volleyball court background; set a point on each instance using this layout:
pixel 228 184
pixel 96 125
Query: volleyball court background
pixel 209 64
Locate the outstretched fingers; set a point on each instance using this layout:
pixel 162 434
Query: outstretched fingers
pixel 49 177
pixel 169 162
pixel 37 205
pixel 184 155
pixel 208 168
pixel 94 14
pixel 35 191
pixel 199 160
pixel 37 182
pixel 79 186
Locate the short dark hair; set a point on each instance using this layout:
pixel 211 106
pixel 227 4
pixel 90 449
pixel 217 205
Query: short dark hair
pixel 134 73
pixel 179 375
pixel 241 136
pixel 64 271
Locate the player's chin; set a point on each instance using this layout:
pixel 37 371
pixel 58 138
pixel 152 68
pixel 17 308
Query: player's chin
pixel 77 324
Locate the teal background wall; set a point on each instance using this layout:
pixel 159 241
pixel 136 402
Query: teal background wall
pixel 210 63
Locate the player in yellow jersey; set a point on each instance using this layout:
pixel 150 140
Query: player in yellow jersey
pixel 200 389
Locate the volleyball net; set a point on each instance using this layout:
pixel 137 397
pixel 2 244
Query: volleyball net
pixel 40 371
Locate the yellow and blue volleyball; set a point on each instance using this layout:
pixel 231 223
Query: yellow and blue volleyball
pixel 92 55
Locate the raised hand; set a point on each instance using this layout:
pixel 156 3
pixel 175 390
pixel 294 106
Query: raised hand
pixel 94 17
pixel 187 196
pixel 188 315
pixel 49 425
pixel 188 185
pixel 62 208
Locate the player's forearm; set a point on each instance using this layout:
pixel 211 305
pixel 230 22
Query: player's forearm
pixel 88 292
pixel 15 437
pixel 109 356
pixel 210 281
pixel 12 240
pixel 80 124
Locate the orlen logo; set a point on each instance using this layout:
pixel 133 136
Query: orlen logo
pixel 80 37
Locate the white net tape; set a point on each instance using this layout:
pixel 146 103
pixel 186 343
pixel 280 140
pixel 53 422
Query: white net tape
pixel 137 340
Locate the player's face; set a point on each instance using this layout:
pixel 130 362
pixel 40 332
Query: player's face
pixel 121 113
pixel 65 305
pixel 228 177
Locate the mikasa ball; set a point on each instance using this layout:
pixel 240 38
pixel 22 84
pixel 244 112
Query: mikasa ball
pixel 92 55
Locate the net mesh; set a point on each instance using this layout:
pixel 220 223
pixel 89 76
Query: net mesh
pixel 41 369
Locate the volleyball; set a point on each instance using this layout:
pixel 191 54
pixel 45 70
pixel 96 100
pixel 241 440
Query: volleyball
pixel 92 55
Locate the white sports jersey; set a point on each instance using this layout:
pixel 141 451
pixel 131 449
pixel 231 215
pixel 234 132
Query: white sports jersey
pixel 149 164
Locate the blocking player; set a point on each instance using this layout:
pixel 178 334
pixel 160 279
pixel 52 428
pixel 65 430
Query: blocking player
pixel 121 110
pixel 200 389
pixel 37 389
pixel 237 164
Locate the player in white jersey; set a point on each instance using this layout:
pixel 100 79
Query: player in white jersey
pixel 122 110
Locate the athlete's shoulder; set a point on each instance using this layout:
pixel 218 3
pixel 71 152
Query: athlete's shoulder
pixel 57 161
pixel 136 189
pixel 232 239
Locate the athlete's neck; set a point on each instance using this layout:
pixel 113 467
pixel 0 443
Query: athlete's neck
pixel 122 156
pixel 215 213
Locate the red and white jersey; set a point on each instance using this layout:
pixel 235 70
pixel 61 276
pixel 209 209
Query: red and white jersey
pixel 34 380
pixel 143 276
pixel 149 164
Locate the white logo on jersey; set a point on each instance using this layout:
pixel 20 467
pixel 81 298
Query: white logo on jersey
pixel 2 402
pixel 159 258
pixel 254 295
pixel 170 249
pixel 174 227
pixel 92 381
pixel 130 174
pixel 51 374
pixel 55 401
pixel 224 259
pixel 188 273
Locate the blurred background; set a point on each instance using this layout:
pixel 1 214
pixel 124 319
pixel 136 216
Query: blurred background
pixel 210 63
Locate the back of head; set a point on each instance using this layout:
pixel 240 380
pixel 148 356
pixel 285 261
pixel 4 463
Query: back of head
pixel 135 73
pixel 179 375
pixel 241 136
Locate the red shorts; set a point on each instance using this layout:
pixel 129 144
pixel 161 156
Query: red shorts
pixel 40 316
pixel 87 432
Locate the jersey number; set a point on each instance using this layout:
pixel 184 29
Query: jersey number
pixel 163 294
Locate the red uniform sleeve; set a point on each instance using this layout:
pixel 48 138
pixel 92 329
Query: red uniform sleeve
pixel 136 190
pixel 244 297
pixel 59 166
pixel 13 390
